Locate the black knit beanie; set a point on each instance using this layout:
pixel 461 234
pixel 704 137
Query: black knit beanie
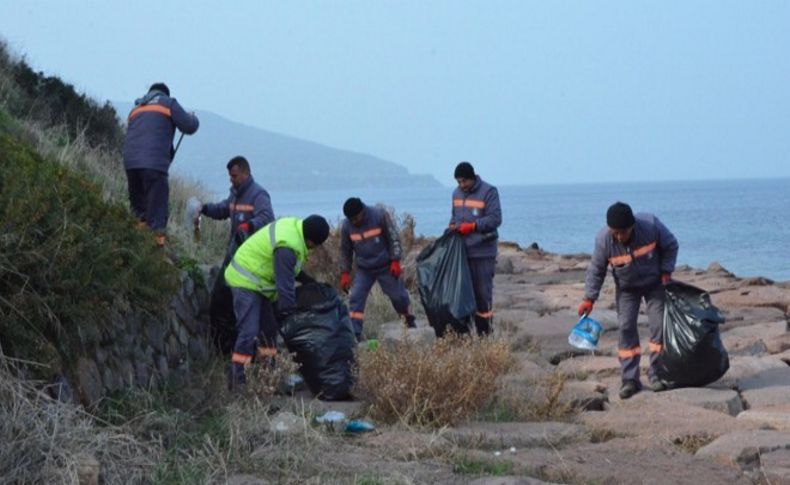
pixel 160 87
pixel 465 170
pixel 620 216
pixel 352 207
pixel 315 229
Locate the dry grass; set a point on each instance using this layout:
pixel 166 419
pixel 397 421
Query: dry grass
pixel 265 382
pixel 693 442
pixel 432 386
pixel 541 401
pixel 45 441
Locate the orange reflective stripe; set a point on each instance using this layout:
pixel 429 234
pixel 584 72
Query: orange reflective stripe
pixel 485 314
pixel 150 108
pixel 238 358
pixel 242 207
pixel 641 251
pixel 356 236
pixel 620 260
pixel 357 315
pixel 629 353
pixel 636 253
pixel 474 204
pixel 654 347
pixel 160 239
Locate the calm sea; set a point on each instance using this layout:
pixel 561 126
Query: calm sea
pixel 742 224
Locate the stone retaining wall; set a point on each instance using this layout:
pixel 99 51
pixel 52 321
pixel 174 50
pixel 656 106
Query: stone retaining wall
pixel 141 351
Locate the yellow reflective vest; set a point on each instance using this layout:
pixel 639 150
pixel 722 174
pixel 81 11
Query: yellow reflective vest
pixel 252 267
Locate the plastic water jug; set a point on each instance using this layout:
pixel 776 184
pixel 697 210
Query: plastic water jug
pixel 585 334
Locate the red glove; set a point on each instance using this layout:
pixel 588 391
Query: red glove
pixel 586 307
pixel 243 227
pixel 666 278
pixel 467 228
pixel 395 268
pixel 345 281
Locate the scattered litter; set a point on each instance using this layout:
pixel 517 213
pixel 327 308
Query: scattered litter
pixel 291 384
pixel 585 334
pixel 512 449
pixel 497 453
pixel 359 426
pixel 332 420
pixel 373 344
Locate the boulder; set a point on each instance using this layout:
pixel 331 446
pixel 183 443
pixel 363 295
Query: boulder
pixel 742 449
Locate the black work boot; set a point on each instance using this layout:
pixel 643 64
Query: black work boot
pixel 628 389
pixel 657 386
pixel 410 321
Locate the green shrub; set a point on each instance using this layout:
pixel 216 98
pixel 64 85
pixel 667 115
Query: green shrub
pixel 69 261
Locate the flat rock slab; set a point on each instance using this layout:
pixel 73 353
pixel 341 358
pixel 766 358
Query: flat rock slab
pixel 744 367
pixel 621 461
pixel 648 414
pixel 724 401
pixel 585 395
pixel 765 331
pixel 777 417
pixel 518 435
pixel 767 388
pixel 394 332
pixel 742 449
pixel 775 466
pixel 598 365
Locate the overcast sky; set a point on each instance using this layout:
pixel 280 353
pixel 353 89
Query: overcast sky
pixel 529 92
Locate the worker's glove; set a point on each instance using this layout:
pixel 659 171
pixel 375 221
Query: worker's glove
pixel 586 307
pixel 666 278
pixel 242 233
pixel 467 228
pixel 395 268
pixel 345 281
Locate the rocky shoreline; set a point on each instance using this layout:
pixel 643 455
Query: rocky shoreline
pixel 736 430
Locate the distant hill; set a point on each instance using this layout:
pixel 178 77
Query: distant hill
pixel 280 162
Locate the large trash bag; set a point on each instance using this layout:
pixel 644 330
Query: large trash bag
pixel 445 284
pixel 322 339
pixel 693 354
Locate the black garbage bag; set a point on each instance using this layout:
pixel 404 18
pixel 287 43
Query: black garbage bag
pixel 693 354
pixel 445 284
pixel 320 336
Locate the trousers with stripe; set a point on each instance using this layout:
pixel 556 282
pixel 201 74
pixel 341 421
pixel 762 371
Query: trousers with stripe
pixel 482 270
pixel 255 322
pixel 629 348
pixel 391 286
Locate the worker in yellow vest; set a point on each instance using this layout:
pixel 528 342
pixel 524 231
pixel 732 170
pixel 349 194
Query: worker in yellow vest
pixel 262 276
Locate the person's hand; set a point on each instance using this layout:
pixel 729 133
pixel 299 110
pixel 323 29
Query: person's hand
pixel 586 307
pixel 395 268
pixel 666 278
pixel 242 233
pixel 345 281
pixel 467 228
